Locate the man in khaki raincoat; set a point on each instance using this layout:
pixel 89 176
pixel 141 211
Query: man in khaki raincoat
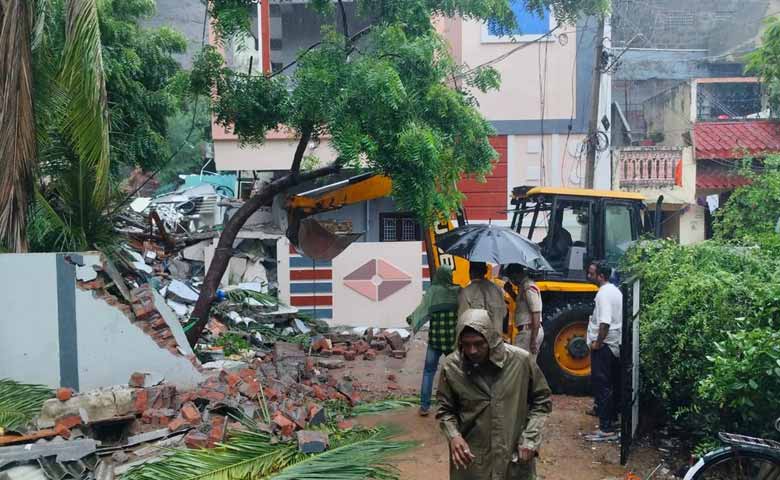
pixel 494 402
pixel 483 294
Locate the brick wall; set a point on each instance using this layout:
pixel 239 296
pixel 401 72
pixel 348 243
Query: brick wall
pixel 485 201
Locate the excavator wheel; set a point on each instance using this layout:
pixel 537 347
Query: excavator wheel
pixel 564 356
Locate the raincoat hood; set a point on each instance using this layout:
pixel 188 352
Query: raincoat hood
pixel 442 295
pixel 479 320
pixel 442 276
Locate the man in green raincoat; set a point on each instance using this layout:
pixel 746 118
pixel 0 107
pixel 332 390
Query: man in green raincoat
pixel 439 305
pixel 493 403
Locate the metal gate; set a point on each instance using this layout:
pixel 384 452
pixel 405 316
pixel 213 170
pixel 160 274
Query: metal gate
pixel 629 367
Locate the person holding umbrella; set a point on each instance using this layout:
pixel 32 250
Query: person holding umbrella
pixel 482 294
pixel 528 308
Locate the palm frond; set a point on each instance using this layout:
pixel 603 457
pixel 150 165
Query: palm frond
pixel 252 455
pixel 17 123
pixel 20 403
pixel 246 455
pixel 385 405
pixel 83 78
pixel 356 460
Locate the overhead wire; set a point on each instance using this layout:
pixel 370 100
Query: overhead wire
pixel 570 126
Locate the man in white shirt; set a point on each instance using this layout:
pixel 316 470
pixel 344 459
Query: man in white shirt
pixel 604 337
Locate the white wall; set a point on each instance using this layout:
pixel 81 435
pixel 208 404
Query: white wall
pixel 352 308
pixel 109 348
pixel 29 340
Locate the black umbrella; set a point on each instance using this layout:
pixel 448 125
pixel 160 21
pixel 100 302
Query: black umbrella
pixel 492 244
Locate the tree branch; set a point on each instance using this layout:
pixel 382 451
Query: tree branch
pixel 350 40
pixel 300 150
pixel 224 250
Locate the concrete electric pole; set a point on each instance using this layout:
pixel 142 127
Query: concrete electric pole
pixel 593 122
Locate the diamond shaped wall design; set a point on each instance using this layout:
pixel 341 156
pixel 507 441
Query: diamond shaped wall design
pixel 377 280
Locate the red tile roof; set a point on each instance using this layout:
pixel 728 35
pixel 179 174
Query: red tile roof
pixel 718 177
pixel 736 139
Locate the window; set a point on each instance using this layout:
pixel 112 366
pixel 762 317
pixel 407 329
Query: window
pixel 530 26
pixel 398 227
pixel 618 232
pixel 294 26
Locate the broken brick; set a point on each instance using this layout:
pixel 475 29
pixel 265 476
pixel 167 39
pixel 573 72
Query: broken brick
pixel 361 347
pixel 64 394
pixel 95 284
pixel 312 442
pixel 159 417
pixel 346 425
pixel 322 344
pixel 211 395
pixel 137 380
pixel 370 354
pixel 250 389
pixel 158 322
pixel 218 426
pixel 191 413
pixel 216 328
pixel 338 350
pixel 271 393
pixel 196 440
pixel 393 386
pixel 320 393
pixel 141 402
pixel 143 308
pixel 350 355
pixel 68 422
pixel 178 423
pixel 286 425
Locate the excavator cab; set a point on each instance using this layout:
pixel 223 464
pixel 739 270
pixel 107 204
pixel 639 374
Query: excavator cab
pixel 573 226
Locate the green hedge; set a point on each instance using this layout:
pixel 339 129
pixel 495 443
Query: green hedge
pixel 704 308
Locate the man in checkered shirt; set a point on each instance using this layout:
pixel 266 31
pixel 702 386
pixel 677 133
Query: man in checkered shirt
pixel 439 306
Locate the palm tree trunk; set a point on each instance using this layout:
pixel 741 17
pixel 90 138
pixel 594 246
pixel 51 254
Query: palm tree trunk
pixel 17 123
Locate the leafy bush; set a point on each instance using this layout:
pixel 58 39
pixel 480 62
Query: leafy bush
pixel 744 383
pixel 751 214
pixel 693 297
pixel 232 343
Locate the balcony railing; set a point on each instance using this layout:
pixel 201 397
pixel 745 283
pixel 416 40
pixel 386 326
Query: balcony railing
pixel 648 167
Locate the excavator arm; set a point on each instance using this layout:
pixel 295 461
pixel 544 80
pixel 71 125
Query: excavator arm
pixel 319 243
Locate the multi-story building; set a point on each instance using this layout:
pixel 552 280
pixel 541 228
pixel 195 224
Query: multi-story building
pixel 540 116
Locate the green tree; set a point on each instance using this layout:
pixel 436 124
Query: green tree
pixel 765 62
pixel 384 95
pixel 752 213
pixel 92 73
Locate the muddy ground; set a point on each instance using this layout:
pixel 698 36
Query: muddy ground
pixel 564 456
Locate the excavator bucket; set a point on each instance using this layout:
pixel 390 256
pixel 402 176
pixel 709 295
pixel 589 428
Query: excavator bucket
pixel 317 242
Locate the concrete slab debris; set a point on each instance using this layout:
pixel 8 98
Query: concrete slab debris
pixel 181 292
pixel 63 451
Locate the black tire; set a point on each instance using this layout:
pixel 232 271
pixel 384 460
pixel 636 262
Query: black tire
pixel 726 463
pixel 557 316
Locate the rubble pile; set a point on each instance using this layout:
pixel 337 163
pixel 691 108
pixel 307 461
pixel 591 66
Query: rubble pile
pixel 290 391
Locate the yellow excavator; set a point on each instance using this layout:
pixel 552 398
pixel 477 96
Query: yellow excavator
pixel 573 227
